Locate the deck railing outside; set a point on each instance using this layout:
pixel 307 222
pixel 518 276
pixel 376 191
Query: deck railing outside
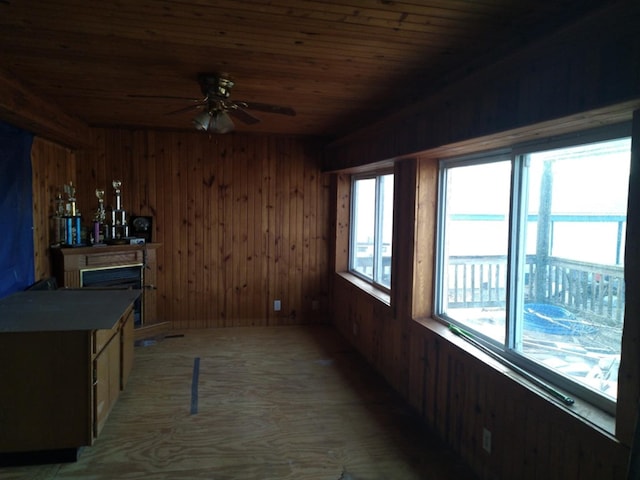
pixel 592 291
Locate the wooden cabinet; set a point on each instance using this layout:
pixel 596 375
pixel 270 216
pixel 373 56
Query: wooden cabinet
pixel 59 383
pixel 71 264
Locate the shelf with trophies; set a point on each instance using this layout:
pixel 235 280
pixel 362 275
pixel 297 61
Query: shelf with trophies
pixel 103 255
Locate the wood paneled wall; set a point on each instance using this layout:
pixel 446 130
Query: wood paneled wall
pixel 52 167
pixel 459 394
pixel 243 221
pixel 576 74
pixel 582 77
pixel 458 390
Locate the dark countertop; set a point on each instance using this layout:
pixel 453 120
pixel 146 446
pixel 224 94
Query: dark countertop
pixel 64 310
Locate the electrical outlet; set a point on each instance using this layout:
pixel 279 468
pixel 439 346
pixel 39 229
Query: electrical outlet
pixel 486 440
pixel 315 305
pixel 276 305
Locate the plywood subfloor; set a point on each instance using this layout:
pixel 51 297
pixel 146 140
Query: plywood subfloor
pixel 270 403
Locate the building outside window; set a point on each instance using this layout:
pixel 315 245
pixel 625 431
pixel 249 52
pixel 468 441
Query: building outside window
pixel 530 257
pixel 371 228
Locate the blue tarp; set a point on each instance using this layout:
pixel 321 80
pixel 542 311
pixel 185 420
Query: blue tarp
pixel 16 211
pixel 555 320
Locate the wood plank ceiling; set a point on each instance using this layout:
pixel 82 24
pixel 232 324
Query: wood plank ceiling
pixel 340 65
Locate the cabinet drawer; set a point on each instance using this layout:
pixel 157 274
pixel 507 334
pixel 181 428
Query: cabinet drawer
pixel 117 258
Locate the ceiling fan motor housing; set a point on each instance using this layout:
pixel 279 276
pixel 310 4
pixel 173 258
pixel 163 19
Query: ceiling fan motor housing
pixel 214 85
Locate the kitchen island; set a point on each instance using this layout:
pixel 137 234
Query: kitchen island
pixel 65 356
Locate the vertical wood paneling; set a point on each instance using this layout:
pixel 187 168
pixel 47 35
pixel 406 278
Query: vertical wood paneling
pixel 322 241
pixel 282 229
pixel 417 362
pixel 458 395
pixel 236 217
pixel 226 235
pixel 307 253
pixel 173 226
pixel 252 191
pixel 197 226
pixel 266 211
pixel 241 233
pixel 424 246
pixel 296 195
pixel 343 214
pixel 52 167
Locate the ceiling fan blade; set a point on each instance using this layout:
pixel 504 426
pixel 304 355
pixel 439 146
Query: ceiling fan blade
pixel 163 97
pixel 243 115
pixel 186 109
pixel 265 107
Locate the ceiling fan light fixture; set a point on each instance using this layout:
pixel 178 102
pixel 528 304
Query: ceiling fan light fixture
pixel 220 123
pixel 202 121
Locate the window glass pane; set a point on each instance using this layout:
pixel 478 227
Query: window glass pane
pixel 363 232
pixel 475 246
pixel 572 296
pixel 386 230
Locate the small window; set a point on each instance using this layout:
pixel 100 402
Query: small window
pixel 371 228
pixel 530 258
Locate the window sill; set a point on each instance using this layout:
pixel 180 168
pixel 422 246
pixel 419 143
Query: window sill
pixel 366 287
pixel 580 410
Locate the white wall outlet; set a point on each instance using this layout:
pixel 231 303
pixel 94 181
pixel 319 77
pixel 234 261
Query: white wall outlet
pixel 486 440
pixel 276 305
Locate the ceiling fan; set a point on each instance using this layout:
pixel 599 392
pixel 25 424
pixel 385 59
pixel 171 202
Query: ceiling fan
pixel 217 108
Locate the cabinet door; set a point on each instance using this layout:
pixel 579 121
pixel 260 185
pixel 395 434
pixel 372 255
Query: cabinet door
pixel 106 382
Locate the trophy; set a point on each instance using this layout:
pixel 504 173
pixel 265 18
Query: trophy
pixel 71 218
pixel 58 220
pixel 119 227
pixel 99 218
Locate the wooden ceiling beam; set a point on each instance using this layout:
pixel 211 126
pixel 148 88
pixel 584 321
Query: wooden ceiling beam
pixel 22 108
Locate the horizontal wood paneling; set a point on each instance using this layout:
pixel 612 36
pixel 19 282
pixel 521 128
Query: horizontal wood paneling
pixel 242 221
pixel 52 167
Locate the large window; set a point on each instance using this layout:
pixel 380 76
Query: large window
pixel 530 257
pixel 371 228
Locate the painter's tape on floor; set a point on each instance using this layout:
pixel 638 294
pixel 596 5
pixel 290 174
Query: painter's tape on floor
pixel 194 385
